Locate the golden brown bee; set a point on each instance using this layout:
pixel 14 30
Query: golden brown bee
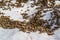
pixel 50 32
pixel 2 4
pixel 25 15
pixel 17 5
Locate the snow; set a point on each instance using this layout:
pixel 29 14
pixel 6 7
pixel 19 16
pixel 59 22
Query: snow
pixel 47 15
pixel 0 0
pixel 57 2
pixel 6 34
pixel 13 1
pixel 15 34
pixel 57 34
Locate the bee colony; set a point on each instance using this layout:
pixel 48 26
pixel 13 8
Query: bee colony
pixel 35 23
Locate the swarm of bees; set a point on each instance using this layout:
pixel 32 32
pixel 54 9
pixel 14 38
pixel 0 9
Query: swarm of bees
pixel 35 23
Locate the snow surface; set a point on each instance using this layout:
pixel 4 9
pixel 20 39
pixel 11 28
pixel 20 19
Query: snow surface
pixel 57 2
pixel 15 34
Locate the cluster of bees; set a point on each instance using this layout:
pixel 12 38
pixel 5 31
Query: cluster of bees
pixel 48 3
pixel 44 3
pixel 35 23
pixel 8 3
pixel 5 22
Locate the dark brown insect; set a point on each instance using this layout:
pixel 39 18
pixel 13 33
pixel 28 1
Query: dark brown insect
pixel 20 1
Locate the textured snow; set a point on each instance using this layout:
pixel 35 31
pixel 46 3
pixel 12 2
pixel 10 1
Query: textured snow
pixel 15 34
pixel 47 15
pixel 57 2
pixel 57 34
